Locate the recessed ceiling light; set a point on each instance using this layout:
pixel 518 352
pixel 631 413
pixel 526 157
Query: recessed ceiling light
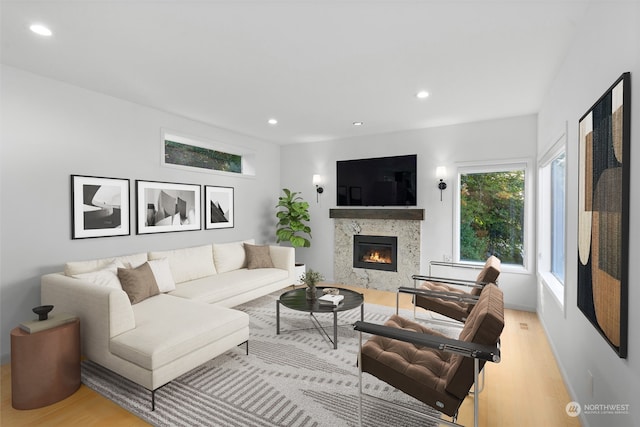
pixel 422 94
pixel 273 122
pixel 41 30
pixel 358 123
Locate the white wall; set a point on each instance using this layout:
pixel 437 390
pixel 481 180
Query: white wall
pixel 51 130
pixel 607 44
pixel 509 138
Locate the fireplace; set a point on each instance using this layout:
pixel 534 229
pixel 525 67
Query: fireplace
pixel 375 252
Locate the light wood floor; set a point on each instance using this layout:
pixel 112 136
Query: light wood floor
pixel 524 389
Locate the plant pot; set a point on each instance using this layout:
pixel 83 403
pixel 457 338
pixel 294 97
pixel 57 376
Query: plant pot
pixel 300 269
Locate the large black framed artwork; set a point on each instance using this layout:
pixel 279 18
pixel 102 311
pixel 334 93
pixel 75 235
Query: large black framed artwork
pixel 166 207
pixel 603 221
pixel 218 207
pixel 99 207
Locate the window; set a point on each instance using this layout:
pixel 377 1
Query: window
pixel 557 216
pixel 200 157
pixel 196 154
pixel 492 213
pixel 551 219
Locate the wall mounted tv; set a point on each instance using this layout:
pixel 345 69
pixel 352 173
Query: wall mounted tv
pixel 381 181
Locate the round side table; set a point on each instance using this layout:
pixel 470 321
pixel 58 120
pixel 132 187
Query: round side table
pixel 45 366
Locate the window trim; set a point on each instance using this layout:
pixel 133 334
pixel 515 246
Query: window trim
pixel 529 191
pixel 248 156
pixel 545 276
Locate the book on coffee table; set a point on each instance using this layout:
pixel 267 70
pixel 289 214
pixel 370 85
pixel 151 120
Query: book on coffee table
pixel 330 299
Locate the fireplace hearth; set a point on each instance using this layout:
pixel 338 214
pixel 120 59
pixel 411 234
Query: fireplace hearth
pixel 375 252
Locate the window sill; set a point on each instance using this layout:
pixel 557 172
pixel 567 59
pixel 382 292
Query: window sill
pixel 554 286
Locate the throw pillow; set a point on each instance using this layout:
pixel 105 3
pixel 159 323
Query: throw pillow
pixel 139 283
pixel 162 274
pixel 107 276
pixel 258 256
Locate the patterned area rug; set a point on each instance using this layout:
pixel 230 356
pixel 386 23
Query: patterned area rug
pixel 292 379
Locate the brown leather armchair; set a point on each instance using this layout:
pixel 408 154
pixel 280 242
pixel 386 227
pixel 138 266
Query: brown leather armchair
pixel 444 296
pixel 432 368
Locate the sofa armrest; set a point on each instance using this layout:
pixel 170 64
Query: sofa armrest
pixel 284 257
pixel 103 312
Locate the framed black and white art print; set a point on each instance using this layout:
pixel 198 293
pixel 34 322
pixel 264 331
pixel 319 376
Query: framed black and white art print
pixel 99 207
pixel 166 207
pixel 218 207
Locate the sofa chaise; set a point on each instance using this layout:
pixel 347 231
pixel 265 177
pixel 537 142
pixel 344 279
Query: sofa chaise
pixel 154 330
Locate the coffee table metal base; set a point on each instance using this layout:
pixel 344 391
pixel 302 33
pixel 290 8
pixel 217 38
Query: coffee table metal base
pixel 318 325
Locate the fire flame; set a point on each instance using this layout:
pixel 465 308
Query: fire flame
pixel 377 257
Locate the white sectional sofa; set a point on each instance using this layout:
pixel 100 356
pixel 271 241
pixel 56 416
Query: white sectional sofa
pixel 188 322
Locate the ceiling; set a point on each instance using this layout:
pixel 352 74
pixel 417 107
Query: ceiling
pixel 317 65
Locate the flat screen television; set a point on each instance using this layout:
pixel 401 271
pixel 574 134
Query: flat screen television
pixel 381 181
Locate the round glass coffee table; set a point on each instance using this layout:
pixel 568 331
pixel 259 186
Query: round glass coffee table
pixel 297 300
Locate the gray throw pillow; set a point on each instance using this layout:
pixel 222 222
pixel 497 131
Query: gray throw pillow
pixel 258 256
pixel 139 283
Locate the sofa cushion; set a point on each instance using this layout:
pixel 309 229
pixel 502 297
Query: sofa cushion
pixel 78 267
pixel 108 276
pixel 158 340
pixel 139 283
pixel 188 263
pixel 258 256
pixel 162 274
pixel 230 256
pixel 217 288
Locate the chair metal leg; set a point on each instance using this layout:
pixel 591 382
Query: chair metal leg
pixel 476 369
pixel 482 381
pixel 360 382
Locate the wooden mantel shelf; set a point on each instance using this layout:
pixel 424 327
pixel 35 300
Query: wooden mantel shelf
pixel 398 214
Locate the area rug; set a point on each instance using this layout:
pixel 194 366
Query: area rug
pixel 292 379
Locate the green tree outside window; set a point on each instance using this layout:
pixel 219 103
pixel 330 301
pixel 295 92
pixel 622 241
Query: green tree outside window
pixel 492 216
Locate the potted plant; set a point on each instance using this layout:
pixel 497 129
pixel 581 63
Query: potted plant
pixel 310 279
pixel 292 220
pixel 292 223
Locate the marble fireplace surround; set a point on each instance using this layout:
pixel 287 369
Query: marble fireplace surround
pixel 406 224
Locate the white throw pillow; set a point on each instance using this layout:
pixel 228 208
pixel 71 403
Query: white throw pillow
pixel 107 276
pixel 162 273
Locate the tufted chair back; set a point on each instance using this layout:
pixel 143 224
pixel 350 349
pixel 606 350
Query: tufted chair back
pixel 483 326
pixel 488 274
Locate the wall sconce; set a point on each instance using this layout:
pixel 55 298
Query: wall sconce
pixel 441 172
pixel 317 180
